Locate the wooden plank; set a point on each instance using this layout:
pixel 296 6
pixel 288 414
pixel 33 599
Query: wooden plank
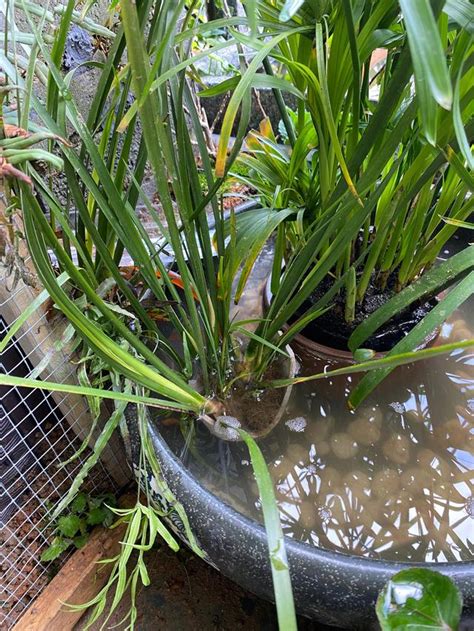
pixel 79 580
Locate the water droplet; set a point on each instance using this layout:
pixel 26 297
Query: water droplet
pixel 297 424
pixel 400 592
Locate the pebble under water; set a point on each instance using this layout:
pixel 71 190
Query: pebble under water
pixel 391 480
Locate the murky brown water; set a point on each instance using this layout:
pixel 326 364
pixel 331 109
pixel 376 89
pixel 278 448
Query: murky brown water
pixel 392 480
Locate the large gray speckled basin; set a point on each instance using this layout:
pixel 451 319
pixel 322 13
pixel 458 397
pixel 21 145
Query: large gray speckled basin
pixel 331 587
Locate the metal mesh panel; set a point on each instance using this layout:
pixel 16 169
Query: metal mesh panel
pixel 39 430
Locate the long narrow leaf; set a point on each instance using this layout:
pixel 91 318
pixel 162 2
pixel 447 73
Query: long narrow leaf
pixel 386 363
pixel 276 542
pixel 425 45
pixel 23 382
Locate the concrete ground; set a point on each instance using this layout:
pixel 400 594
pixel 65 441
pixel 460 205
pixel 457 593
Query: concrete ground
pixel 186 594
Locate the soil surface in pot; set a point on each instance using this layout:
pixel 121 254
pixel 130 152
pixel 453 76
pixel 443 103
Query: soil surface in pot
pixel 332 329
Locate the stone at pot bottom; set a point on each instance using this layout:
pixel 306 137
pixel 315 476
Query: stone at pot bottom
pixel 331 587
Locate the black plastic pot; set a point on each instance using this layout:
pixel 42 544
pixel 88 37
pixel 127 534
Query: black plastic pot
pixel 331 587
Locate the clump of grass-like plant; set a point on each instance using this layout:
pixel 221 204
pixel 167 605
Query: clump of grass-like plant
pixel 371 175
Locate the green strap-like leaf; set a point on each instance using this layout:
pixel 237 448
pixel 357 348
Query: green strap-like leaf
pixel 258 81
pixel 425 45
pixel 289 9
pixel 276 543
pixel 464 144
pixel 417 335
pixel 389 362
pixel 462 12
pixel 239 93
pixel 22 382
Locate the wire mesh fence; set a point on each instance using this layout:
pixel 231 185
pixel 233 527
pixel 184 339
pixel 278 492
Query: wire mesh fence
pixel 39 431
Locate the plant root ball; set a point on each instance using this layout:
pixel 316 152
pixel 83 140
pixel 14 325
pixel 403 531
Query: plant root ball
pixel 343 445
pixel 386 483
pixel 397 449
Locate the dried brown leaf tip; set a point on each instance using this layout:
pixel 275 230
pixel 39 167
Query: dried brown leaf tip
pixel 13 131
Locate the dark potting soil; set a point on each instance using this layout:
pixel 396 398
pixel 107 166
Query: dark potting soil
pixel 332 329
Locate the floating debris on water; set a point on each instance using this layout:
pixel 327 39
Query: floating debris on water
pixel 397 407
pixel 297 424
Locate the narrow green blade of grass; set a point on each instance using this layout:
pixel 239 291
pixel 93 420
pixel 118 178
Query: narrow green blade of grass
pixel 164 77
pixel 276 543
pixel 458 223
pixel 258 81
pixel 425 45
pixel 289 9
pixel 462 12
pixel 252 16
pixel 238 95
pixel 99 446
pixel 389 362
pixel 464 144
pixel 23 382
pixel 253 230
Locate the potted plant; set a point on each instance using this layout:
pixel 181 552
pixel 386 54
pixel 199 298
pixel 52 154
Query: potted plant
pixel 360 138
pixel 123 338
